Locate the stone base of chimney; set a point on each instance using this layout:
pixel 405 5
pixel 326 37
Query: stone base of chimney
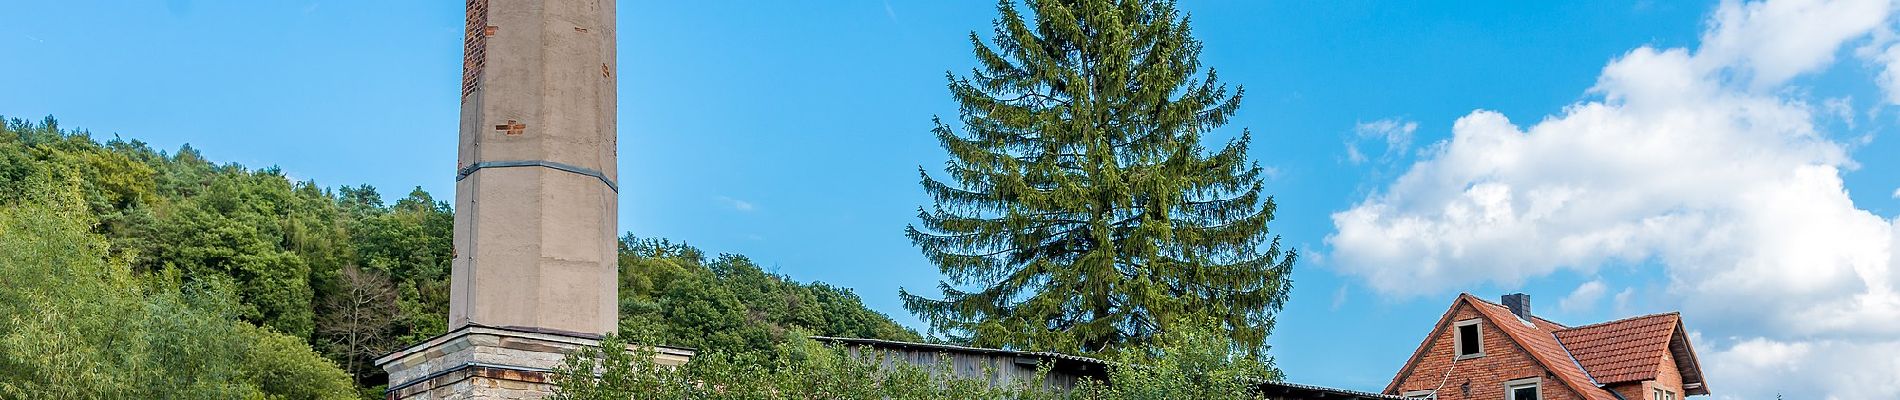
pixel 477 362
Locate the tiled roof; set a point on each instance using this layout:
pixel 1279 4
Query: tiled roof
pixel 1542 346
pixel 1588 358
pixel 1621 351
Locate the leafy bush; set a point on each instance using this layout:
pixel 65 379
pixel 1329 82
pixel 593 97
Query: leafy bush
pixel 1195 363
pixel 800 369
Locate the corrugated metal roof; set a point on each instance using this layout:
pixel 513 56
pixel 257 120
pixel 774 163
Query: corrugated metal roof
pixel 1318 392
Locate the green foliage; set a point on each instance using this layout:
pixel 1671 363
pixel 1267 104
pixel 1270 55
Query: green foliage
pixel 79 324
pixel 411 242
pixel 1195 363
pixel 729 304
pixel 224 251
pixel 277 247
pixel 1082 212
pixel 611 371
pixel 796 369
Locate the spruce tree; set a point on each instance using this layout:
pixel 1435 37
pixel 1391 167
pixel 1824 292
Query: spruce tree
pixel 1082 212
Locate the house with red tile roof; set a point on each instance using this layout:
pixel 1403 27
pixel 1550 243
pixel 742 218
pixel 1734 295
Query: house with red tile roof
pixel 1491 351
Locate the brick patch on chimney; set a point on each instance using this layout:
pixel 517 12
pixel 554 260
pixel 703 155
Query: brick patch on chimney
pixel 475 45
pixel 512 128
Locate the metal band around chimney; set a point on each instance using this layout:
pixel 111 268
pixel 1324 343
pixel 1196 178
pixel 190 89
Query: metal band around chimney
pixel 466 171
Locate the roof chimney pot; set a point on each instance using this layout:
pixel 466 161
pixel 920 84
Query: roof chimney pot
pixel 1519 304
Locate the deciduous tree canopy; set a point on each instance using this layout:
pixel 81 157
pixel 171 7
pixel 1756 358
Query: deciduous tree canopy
pixel 221 252
pixel 729 304
pixel 76 322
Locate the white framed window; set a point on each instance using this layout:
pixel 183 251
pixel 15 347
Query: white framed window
pixel 1418 394
pixel 1663 394
pixel 1524 389
pixel 1468 338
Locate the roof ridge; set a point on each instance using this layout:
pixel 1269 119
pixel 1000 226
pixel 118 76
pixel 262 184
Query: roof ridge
pixel 1678 315
pixel 1488 302
pixel 1538 357
pixel 1444 321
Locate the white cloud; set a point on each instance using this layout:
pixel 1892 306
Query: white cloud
pixel 1622 300
pixel 1396 134
pixel 1759 368
pixel 1584 298
pixel 1700 161
pixel 736 204
pixel 1889 79
pixel 1775 40
pixel 1841 108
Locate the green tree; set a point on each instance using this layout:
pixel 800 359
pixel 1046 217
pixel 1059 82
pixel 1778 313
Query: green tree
pixel 1193 361
pixel 276 247
pixel 795 369
pixel 730 304
pixel 252 269
pixel 1081 210
pixel 409 242
pixel 237 229
pixel 611 371
pixel 76 323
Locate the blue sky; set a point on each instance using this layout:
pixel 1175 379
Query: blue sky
pixel 1629 178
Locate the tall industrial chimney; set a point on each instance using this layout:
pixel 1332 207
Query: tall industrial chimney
pixel 536 200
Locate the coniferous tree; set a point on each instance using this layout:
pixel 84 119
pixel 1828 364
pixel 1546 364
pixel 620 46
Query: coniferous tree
pixel 1081 210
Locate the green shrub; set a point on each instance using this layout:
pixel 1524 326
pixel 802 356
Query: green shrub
pixel 1189 364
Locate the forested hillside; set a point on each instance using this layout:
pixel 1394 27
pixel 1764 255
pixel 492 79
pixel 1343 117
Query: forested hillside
pixel 114 237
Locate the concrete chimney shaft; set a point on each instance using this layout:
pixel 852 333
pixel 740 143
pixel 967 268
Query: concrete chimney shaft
pixel 536 198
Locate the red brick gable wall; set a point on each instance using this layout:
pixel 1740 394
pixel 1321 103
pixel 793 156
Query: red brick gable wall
pixel 1667 378
pixel 1503 361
